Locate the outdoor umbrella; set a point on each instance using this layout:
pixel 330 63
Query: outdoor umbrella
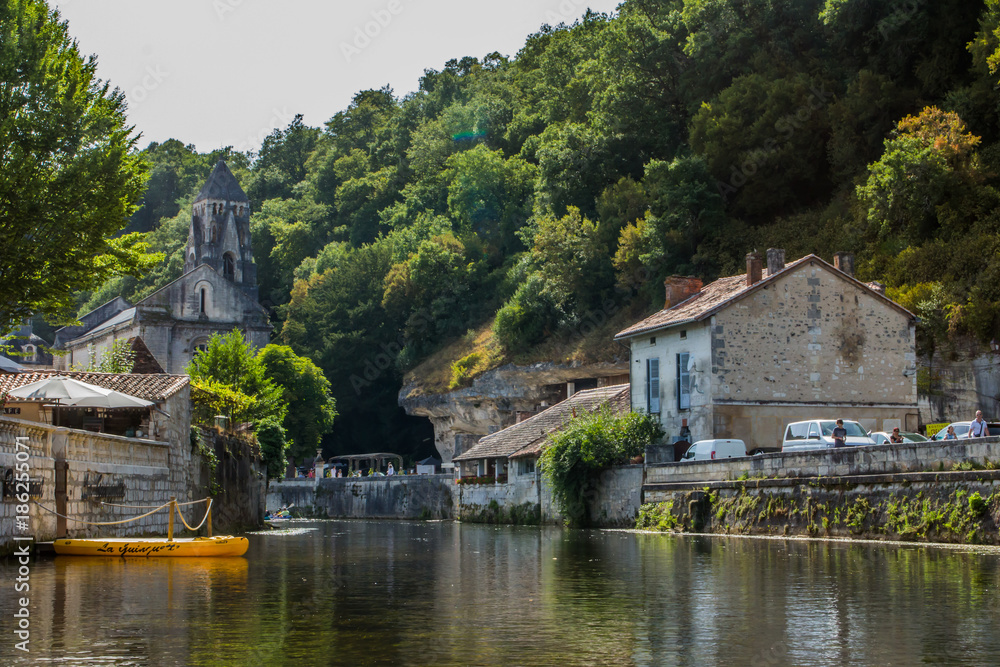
pixel 64 390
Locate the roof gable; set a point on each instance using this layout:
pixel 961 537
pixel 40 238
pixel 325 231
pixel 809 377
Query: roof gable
pixel 726 291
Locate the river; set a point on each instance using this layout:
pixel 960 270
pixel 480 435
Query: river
pixel 442 593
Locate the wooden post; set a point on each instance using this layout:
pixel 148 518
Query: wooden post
pixel 170 522
pixel 208 520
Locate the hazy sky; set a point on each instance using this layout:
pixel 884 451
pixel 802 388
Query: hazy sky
pixel 226 72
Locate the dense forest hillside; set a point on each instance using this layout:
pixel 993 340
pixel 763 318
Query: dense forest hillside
pixel 524 196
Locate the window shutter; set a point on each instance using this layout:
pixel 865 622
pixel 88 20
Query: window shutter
pixel 683 382
pixel 653 385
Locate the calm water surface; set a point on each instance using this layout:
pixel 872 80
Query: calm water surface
pixel 356 593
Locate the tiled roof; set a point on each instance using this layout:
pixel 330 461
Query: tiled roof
pixel 534 430
pixel 157 387
pixel 717 295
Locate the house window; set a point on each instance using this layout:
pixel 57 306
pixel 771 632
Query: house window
pixel 652 340
pixel 229 267
pixel 653 386
pixel 526 466
pixel 202 299
pixel 683 382
pixel 684 335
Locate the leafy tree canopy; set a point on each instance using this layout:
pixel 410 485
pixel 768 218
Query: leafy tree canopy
pixel 69 177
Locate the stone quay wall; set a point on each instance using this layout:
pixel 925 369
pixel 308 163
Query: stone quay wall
pixel 237 481
pixel 88 477
pixel 525 499
pixel 94 464
pixel 397 497
pixel 924 492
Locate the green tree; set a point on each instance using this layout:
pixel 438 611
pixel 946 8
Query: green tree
pixel 930 163
pixel 311 408
pixel 229 362
pixel 273 447
pixel 69 178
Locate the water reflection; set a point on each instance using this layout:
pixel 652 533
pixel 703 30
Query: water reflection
pixel 453 594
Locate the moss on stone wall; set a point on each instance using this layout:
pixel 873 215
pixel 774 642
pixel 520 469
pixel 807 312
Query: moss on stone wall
pixel 525 514
pixel 944 513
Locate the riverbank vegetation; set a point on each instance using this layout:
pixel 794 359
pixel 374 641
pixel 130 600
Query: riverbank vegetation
pixel 947 513
pixel 591 443
pixel 541 195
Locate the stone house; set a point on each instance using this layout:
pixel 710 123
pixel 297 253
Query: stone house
pixel 216 293
pixel 745 355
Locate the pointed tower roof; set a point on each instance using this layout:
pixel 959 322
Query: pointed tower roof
pixel 222 185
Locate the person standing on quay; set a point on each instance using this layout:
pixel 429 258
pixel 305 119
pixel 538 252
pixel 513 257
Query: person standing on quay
pixel 839 434
pixel 978 427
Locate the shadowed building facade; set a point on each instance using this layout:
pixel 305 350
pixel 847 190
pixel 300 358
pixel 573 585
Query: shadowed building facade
pixel 216 293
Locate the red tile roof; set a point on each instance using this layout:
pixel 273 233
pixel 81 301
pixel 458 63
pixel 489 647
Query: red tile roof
pixel 158 387
pixel 717 295
pixel 527 437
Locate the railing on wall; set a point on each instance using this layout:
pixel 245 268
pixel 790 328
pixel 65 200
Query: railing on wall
pixel 39 436
pixel 46 440
pixel 116 450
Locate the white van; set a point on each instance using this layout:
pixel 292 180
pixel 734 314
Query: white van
pixel 818 434
pixel 708 450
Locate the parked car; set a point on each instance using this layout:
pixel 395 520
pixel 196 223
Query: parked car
pixel 882 437
pixel 962 429
pixel 708 450
pixel 818 434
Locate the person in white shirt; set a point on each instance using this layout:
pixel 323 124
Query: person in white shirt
pixel 978 428
pixel 390 471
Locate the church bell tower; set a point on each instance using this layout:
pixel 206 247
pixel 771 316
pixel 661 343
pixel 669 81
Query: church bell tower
pixel 220 231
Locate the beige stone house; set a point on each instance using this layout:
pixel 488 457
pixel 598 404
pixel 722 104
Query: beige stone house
pixel 216 294
pixel 745 355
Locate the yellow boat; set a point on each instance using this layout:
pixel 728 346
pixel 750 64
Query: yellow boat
pixel 153 547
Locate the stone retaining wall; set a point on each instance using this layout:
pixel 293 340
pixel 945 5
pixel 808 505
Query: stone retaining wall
pixel 525 499
pixel 931 492
pixel 147 472
pixel 398 497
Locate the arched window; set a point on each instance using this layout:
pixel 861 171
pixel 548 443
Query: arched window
pixel 215 209
pixel 202 299
pixel 229 266
pixel 214 233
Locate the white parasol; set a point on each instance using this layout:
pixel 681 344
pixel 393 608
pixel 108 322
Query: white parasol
pixel 66 391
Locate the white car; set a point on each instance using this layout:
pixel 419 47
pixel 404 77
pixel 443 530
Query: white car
pixel 882 437
pixel 962 430
pixel 709 450
pixel 818 434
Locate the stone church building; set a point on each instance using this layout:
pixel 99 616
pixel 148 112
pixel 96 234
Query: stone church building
pixel 216 294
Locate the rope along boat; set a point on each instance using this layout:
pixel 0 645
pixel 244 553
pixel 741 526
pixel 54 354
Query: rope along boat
pixel 148 547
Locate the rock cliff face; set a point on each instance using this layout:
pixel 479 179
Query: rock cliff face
pixel 957 388
pixel 495 398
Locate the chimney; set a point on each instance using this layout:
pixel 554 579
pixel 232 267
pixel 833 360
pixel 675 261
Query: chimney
pixel 755 268
pixel 844 261
pixel 775 260
pixel 680 288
